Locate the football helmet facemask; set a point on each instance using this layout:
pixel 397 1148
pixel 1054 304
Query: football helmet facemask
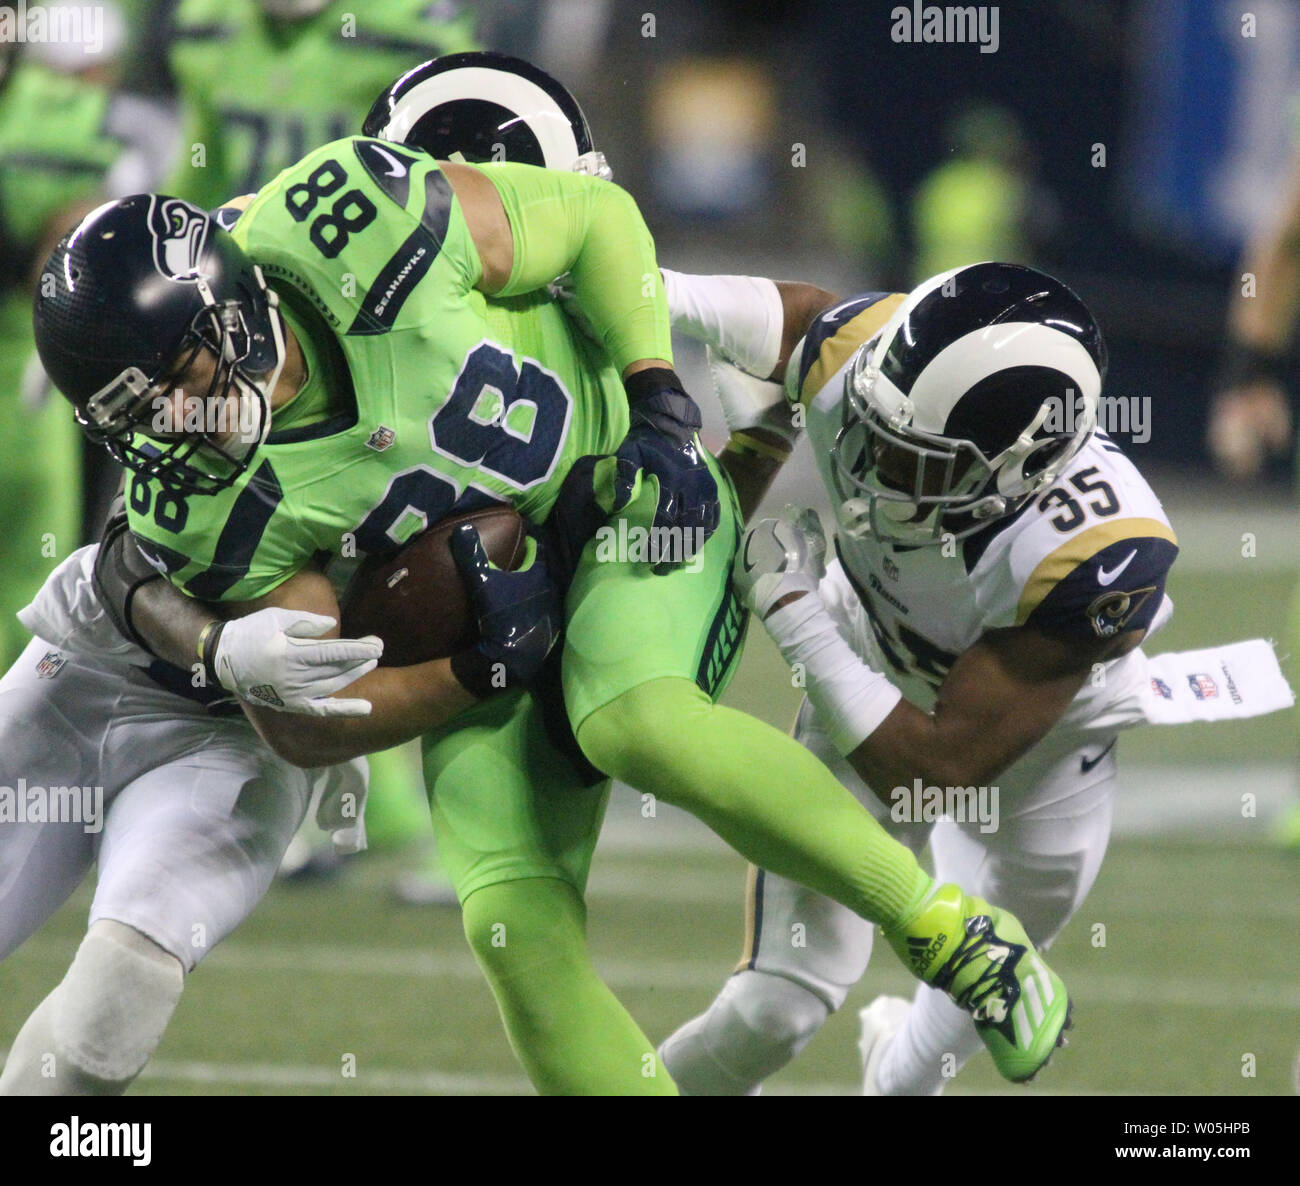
pixel 128 301
pixel 973 397
pixel 483 107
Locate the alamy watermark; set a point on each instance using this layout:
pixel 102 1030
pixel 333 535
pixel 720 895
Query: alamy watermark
pixel 220 416
pixel 34 804
pixel 53 23
pixel 1128 414
pixel 958 24
pixel 671 546
pixel 75 1137
pixel 919 804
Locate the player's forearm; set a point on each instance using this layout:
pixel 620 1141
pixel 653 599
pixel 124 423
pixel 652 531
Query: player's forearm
pixel 170 622
pixel 752 461
pixel 1001 697
pixel 407 702
pixel 910 744
pixel 981 723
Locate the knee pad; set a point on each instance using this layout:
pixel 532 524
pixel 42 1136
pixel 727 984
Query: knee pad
pixel 757 1024
pixel 112 1007
pixel 775 1012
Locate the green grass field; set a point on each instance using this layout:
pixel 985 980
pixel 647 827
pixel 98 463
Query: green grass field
pixel 1197 972
pixel 1196 981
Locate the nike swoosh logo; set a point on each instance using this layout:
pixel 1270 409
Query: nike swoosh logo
pixel 398 169
pixel 834 313
pixel 1085 765
pixel 749 539
pixel 1105 578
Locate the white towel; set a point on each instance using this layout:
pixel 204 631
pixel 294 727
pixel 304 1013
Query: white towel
pixel 1223 683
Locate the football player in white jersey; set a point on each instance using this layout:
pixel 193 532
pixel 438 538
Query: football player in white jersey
pixel 1001 561
pixel 111 756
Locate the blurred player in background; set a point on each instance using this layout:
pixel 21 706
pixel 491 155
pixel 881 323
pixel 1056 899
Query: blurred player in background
pixel 985 201
pixel 259 83
pixel 1251 419
pixel 1003 564
pixel 60 139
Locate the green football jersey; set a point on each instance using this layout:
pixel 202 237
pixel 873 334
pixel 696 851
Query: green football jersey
pixel 453 400
pixel 53 153
pixel 257 94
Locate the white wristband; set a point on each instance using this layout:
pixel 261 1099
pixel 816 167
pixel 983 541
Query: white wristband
pixel 851 699
pixel 741 315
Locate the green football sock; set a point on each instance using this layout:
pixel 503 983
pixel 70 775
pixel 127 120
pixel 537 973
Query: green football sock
pixel 566 1027
pixel 758 789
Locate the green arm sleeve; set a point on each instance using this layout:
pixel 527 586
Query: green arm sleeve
pixel 592 229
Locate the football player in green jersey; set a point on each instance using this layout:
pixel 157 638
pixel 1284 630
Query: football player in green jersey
pixel 54 157
pixel 260 82
pixel 376 350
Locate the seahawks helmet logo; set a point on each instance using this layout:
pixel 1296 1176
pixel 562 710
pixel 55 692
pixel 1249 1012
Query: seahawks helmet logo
pixel 179 232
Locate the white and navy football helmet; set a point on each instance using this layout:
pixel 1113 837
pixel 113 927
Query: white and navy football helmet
pixel 973 397
pixel 484 106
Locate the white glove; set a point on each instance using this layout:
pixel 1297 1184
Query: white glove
pixel 748 402
pixel 271 658
pixel 780 556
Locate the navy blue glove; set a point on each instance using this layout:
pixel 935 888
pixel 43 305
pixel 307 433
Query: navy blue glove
pixel 661 442
pixel 520 615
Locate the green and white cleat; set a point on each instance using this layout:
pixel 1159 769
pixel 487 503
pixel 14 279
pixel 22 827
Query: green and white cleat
pixel 982 958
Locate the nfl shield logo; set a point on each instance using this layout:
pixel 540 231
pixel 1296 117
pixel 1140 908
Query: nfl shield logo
pixel 1203 687
pixel 1162 689
pixel 51 665
pixel 381 438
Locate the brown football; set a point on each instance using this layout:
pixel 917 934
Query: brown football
pixel 416 600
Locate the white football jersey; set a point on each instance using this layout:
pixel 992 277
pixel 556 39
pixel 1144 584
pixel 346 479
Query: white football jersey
pixel 1085 559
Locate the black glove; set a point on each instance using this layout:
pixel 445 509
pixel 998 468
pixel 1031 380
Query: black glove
pixel 661 443
pixel 520 615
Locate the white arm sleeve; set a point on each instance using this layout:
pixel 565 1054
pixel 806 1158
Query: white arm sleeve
pixel 850 698
pixel 740 315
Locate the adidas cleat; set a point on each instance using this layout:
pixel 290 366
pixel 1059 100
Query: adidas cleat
pixel 982 958
pixel 880 1021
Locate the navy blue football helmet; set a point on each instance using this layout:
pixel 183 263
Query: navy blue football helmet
pixel 125 305
pixel 485 106
pixel 974 396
